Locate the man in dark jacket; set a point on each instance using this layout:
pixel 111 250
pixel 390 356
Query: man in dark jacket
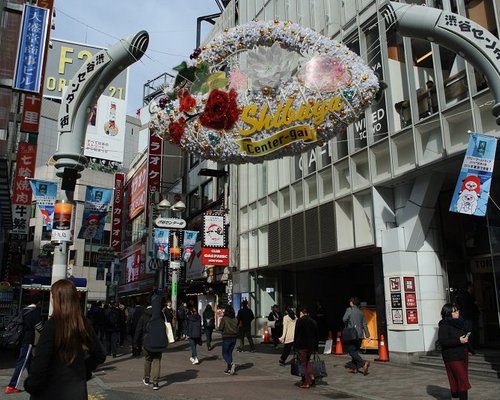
pixel 32 322
pixel 132 326
pixel 305 344
pixel 113 320
pixel 245 317
pixel 151 328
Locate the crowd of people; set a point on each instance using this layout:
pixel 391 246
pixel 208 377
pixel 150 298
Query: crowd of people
pixel 79 343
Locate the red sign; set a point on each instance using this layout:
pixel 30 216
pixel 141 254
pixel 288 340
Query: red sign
pixel 411 317
pixel 410 300
pixel 116 222
pixel 215 256
pixel 137 192
pixel 409 283
pixel 30 120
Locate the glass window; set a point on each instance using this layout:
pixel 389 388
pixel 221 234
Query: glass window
pixel 454 77
pixel 207 193
pixel 298 196
pixel 285 201
pixel 193 160
pixel 193 201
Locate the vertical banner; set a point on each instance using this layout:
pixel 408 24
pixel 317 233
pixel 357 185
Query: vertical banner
pixel 117 221
pixel 161 243
pixel 21 198
pixel 30 120
pixel 61 227
pixel 213 231
pixel 137 192
pixel 45 193
pixel 473 186
pixel 154 168
pixel 188 244
pixel 95 209
pixel 31 49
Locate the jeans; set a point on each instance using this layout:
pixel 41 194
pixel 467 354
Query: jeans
pixel 227 350
pixel 22 363
pixel 152 365
pixel 245 332
pixel 208 333
pixel 304 356
pixel 353 351
pixel 192 343
pixel 286 351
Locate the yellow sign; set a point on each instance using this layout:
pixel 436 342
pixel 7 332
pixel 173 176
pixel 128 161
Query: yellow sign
pixel 281 139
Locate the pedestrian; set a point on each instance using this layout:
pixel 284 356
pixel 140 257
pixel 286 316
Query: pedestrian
pixel 209 324
pixel 277 330
pixel 245 318
pixel 112 324
pixel 469 311
pixel 32 320
pixel 182 311
pixel 67 352
pixel 454 340
pixel 354 318
pixel 123 323
pixel 288 335
pixel 194 333
pixel 306 343
pixel 151 328
pixel 134 318
pixel 229 328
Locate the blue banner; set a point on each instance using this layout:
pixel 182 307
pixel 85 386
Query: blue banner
pixel 31 49
pixel 473 185
pixel 188 243
pixel 45 193
pixel 97 201
pixel 161 243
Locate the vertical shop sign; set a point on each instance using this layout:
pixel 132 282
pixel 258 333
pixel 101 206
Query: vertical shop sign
pixel 30 120
pixel 117 221
pixel 137 192
pixel 154 169
pixel 31 49
pixel 21 200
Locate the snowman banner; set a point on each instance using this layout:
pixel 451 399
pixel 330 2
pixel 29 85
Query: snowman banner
pixel 97 201
pixel 473 185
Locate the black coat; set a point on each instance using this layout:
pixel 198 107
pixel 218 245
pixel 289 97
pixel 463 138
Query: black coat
pixel 306 334
pixel 49 378
pixel 194 326
pixel 151 327
pixel 449 334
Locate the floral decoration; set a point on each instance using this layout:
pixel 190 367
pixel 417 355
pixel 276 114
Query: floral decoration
pixel 293 90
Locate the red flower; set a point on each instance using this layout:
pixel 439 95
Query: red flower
pixel 186 101
pixel 221 110
pixel 176 130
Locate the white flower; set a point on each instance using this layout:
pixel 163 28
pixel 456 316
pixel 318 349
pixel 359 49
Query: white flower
pixel 269 66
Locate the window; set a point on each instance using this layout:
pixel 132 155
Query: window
pixel 207 193
pixel 193 201
pixel 193 160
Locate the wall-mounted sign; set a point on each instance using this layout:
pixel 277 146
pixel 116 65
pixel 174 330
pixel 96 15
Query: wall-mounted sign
pixel 295 90
pixel 409 283
pixel 172 223
pixel 396 301
pixel 411 316
pixel 410 300
pixel 215 256
pixel 395 284
pixel 397 316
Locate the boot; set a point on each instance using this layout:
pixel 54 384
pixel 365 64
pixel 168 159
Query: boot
pixel 454 395
pixel 463 395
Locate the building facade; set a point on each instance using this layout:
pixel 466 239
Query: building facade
pixel 367 214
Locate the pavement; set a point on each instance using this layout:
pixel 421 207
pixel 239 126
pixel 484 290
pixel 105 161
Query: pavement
pixel 259 376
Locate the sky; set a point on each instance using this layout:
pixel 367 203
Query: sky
pixel 171 25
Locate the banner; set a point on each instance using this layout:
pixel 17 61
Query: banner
pixel 116 222
pixel 161 241
pixel 62 226
pixel 214 234
pixel 188 244
pixel 45 193
pixel 97 201
pixel 473 185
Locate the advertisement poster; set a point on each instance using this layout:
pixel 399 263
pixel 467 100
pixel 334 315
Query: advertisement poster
pixel 161 243
pixel 137 192
pixel 45 193
pixel 213 231
pixel 188 244
pixel 97 201
pixel 61 227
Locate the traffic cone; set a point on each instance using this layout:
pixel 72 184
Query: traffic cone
pixel 339 351
pixel 266 336
pixel 383 356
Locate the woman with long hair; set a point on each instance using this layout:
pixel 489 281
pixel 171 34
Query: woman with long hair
pixel 67 352
pixel 229 328
pixel 194 333
pixel 454 341
pixel 288 334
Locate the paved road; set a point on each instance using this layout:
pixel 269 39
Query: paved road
pixel 259 376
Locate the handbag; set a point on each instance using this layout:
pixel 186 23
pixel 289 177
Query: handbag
pixel 170 332
pixel 296 367
pixel 349 335
pixel 318 366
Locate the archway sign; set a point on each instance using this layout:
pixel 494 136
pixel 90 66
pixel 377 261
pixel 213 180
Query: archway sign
pixel 262 91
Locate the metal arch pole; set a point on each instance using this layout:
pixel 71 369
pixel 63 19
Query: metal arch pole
pixel 429 24
pixel 74 113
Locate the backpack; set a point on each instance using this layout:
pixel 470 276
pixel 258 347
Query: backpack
pixel 12 336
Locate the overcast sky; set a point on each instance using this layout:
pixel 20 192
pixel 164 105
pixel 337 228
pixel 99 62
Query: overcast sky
pixel 171 25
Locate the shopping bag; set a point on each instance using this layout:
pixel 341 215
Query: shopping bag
pixel 170 332
pixel 296 367
pixel 318 366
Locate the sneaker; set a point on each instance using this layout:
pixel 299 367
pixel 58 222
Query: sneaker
pixel 191 359
pixel 146 381
pixel 196 361
pixel 155 386
pixel 282 363
pixel 227 372
pixel 233 369
pixel 12 390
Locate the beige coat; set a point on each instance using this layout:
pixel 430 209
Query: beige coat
pixel 288 330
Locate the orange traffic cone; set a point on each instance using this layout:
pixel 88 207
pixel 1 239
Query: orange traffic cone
pixel 383 356
pixel 338 346
pixel 266 336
